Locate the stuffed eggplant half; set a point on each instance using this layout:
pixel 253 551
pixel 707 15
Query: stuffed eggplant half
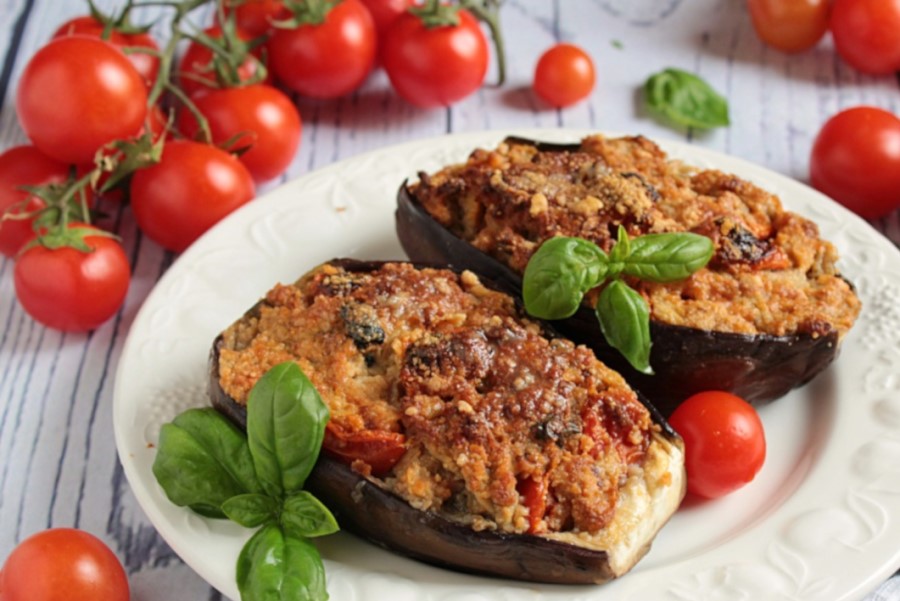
pixel 765 315
pixel 462 433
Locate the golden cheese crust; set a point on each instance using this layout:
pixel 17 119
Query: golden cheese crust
pixel 771 272
pixel 500 425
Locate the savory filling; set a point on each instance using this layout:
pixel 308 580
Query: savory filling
pixel 771 273
pixel 441 390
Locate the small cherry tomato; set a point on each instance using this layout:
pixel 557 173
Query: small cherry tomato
pixel 20 166
pixel 790 25
pixel 724 442
pixel 379 449
pixel 867 34
pixel 146 63
pixel 255 16
pixel 435 66
pixel 63 564
pixel 77 94
pixel 197 71
pixel 187 192
pixel 564 75
pixel 69 289
pixel 327 59
pixel 384 13
pixel 856 161
pixel 258 116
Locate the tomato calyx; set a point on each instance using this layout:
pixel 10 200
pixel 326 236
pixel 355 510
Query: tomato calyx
pixel 307 12
pixel 120 158
pixel 229 52
pixel 70 236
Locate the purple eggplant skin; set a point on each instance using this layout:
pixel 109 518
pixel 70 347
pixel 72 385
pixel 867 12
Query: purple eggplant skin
pixel 365 508
pixel 756 367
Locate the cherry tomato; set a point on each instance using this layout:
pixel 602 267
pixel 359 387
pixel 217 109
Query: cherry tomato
pixel 63 564
pixel 724 442
pixel 23 165
pixel 384 13
pixel 564 75
pixel 261 117
pixel 437 66
pixel 255 16
pixel 196 72
pixel 329 59
pixel 146 63
pixel 867 34
pixel 77 94
pixel 69 289
pixel 187 192
pixel 856 161
pixel 789 25
pixel 381 450
pixel 534 495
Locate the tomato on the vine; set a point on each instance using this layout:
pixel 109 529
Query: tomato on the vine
pixel 187 192
pixel 103 97
pixel 255 16
pixel 435 66
pixel 63 563
pixel 384 13
pixel 564 75
pixel 856 160
pixel 72 289
pixel 790 25
pixel 196 69
pixel 146 63
pixel 21 166
pixel 325 55
pixel 724 442
pixel 867 34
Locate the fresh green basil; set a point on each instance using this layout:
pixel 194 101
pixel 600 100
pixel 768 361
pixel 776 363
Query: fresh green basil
pixel 285 425
pixel 685 99
pixel 558 275
pixel 304 516
pixel 625 321
pixel 202 460
pixel 252 510
pixel 276 567
pixel 667 257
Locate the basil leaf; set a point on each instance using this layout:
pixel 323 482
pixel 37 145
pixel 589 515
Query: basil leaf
pixel 275 567
pixel 304 516
pixel 685 99
pixel 625 322
pixel 667 257
pixel 558 275
pixel 251 510
pixel 202 460
pixel 619 252
pixel 285 424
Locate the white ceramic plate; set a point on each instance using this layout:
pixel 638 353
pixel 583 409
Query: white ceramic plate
pixel 821 521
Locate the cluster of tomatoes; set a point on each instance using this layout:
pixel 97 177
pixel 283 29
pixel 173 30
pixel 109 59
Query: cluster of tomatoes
pixel 856 156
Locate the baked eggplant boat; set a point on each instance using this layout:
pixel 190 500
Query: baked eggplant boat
pixel 462 433
pixel 764 316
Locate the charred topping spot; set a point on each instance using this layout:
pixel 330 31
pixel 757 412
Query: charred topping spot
pixel 652 192
pixel 556 429
pixel 737 245
pixel 469 356
pixel 341 284
pixel 361 325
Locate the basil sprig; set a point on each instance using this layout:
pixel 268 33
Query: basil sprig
pixel 564 269
pixel 685 99
pixel 206 463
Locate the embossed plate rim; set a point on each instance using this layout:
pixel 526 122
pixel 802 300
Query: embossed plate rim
pixel 827 489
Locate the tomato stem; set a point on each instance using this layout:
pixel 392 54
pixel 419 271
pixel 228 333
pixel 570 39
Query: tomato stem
pixel 488 11
pixel 307 12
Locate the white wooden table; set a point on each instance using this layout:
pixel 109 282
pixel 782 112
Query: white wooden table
pixel 58 464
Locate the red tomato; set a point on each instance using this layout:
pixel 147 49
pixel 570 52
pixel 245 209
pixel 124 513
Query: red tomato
pixel 187 192
pixel 63 564
pixel 867 34
pixel 381 450
pixel 564 75
pixel 790 25
pixel 856 161
pixel 69 289
pixel 255 16
pixel 329 59
pixel 264 119
pixel 534 495
pixel 147 64
pixel 724 442
pixel 431 67
pixel 23 165
pixel 196 72
pixel 77 94
pixel 384 13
